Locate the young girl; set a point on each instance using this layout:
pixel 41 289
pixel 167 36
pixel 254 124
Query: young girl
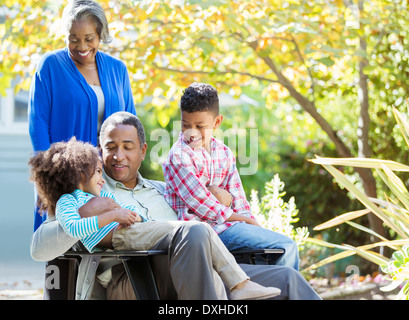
pixel 69 174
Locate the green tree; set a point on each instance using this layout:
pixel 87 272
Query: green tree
pixel 329 58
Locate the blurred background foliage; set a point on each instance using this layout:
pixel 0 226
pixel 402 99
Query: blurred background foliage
pixel 299 63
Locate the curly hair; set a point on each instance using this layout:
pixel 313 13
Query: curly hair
pixel 60 170
pixel 200 97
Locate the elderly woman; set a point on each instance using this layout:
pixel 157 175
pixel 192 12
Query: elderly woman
pixel 76 88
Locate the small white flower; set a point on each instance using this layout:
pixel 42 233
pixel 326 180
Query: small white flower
pixel 274 214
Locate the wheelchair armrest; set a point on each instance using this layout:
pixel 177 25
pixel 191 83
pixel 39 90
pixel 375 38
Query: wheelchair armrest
pixel 248 256
pixel 137 265
pixel 118 254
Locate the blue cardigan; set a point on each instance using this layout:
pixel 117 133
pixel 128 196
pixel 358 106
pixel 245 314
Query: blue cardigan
pixel 63 105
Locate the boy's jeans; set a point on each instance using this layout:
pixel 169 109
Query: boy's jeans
pixel 246 236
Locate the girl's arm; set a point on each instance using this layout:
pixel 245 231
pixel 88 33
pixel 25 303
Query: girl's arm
pixel 77 227
pixel 97 206
pixel 67 215
pixel 107 208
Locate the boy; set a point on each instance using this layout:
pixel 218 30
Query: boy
pixel 202 181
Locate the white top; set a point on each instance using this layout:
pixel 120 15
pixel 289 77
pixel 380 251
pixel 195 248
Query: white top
pixel 101 103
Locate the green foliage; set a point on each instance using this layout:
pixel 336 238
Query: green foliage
pixel 279 150
pixel 393 210
pixel 398 269
pixel 285 55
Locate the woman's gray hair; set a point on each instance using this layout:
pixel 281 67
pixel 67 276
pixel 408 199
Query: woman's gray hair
pixel 86 10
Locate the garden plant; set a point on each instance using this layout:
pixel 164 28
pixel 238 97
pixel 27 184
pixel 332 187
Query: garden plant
pixel 393 210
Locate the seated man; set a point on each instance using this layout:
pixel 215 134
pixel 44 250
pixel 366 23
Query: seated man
pixel 123 149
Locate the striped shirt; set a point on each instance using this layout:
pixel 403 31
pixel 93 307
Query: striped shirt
pixel 188 172
pixel 84 229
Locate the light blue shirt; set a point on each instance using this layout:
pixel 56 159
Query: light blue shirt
pixel 147 196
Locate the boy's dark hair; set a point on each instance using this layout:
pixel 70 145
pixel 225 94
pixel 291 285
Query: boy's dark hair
pixel 200 97
pixel 124 118
pixel 60 170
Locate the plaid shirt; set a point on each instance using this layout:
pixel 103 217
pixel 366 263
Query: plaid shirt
pixel 188 172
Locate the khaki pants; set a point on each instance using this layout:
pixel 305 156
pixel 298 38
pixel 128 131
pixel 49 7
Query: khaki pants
pixel 120 288
pixel 195 250
pixel 142 236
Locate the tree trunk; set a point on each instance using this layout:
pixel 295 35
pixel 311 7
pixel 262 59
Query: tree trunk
pixel 364 120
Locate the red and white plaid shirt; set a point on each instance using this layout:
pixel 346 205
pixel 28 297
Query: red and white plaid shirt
pixel 188 172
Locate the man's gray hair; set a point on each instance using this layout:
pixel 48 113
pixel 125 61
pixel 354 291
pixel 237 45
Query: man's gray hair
pixel 123 118
pixel 86 10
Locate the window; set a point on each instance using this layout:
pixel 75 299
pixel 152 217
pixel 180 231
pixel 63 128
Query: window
pixel 20 107
pixel 13 112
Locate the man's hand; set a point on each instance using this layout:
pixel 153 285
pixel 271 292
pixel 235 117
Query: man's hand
pixel 97 206
pixel 108 211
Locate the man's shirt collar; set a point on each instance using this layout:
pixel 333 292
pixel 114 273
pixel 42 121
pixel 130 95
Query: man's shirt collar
pixel 112 184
